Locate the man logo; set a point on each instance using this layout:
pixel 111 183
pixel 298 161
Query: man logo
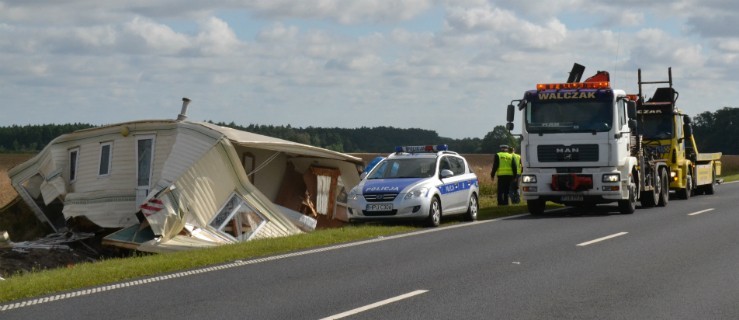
pixel 567 150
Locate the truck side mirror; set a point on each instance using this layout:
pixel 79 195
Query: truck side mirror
pixel 688 129
pixel 686 119
pixel 632 124
pixel 631 109
pixel 511 113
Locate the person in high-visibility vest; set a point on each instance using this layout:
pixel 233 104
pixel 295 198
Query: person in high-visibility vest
pixel 506 169
pixel 515 195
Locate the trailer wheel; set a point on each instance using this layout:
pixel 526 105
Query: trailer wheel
pixel 664 196
pixel 686 192
pixel 709 188
pixel 649 199
pixel 628 206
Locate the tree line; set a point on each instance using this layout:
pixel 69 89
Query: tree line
pixel 714 132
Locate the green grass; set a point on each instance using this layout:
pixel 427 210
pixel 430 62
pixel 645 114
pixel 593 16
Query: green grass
pixel 730 177
pixel 83 275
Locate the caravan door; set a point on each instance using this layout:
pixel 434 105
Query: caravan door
pixel 144 166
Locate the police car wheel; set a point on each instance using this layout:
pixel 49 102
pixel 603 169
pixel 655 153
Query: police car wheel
pixel 434 218
pixel 472 208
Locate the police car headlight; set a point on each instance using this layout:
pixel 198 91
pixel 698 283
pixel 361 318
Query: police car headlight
pixel 416 193
pixel 353 194
pixel 528 179
pixel 611 177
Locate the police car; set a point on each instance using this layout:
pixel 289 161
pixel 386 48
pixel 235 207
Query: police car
pixel 416 182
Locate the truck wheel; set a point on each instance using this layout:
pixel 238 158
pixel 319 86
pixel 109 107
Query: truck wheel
pixel 536 207
pixel 709 188
pixel 434 218
pixel 649 199
pixel 472 208
pixel 628 206
pixel 664 196
pixel 686 192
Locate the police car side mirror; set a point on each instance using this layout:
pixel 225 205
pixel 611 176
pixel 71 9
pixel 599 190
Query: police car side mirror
pixel 363 175
pixel 446 173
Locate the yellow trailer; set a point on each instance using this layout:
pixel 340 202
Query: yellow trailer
pixel 667 131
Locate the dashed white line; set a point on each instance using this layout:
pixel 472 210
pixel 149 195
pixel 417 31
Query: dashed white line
pixel 237 263
pixel 375 305
pixel 699 212
pixel 602 239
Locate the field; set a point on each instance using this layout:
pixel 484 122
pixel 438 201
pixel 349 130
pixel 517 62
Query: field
pixel 7 161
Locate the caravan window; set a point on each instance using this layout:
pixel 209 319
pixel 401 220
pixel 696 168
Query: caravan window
pixel 106 151
pixel 73 159
pixel 237 219
pixel 144 160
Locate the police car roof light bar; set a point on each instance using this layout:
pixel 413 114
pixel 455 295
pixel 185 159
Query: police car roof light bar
pixel 418 149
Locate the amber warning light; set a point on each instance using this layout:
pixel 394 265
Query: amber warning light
pixel 574 85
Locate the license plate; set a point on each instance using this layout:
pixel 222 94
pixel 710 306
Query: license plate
pixel 380 207
pixel 572 197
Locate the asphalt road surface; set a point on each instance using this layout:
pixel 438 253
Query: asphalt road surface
pixel 677 262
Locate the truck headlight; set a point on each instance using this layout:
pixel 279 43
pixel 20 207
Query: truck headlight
pixel 612 177
pixel 526 178
pixel 416 193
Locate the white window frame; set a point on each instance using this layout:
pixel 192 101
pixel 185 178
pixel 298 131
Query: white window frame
pixel 235 209
pixel 74 172
pixel 151 160
pixel 110 158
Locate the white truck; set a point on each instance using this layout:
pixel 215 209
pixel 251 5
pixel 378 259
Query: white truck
pixel 580 146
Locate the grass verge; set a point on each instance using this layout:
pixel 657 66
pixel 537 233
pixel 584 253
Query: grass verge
pixel 84 275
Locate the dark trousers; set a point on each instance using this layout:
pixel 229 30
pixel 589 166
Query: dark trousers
pixel 504 185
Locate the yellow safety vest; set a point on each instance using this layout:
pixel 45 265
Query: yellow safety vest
pixel 504 164
pixel 517 158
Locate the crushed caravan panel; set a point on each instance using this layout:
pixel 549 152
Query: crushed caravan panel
pixel 192 171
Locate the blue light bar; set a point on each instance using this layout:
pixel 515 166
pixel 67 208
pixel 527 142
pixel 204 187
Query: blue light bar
pixel 419 149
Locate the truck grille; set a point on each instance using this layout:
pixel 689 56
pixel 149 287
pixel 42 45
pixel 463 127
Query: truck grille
pixel 573 153
pixel 383 197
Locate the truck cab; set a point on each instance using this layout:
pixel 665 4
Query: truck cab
pixel 577 147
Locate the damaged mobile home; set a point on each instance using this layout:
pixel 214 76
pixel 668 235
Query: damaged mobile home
pixel 175 184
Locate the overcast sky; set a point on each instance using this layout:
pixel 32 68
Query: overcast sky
pixel 449 66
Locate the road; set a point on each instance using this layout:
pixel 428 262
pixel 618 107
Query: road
pixel 677 262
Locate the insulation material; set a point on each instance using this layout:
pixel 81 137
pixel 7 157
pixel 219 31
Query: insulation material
pixel 323 189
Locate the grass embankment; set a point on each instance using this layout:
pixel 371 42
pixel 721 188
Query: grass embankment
pixel 115 270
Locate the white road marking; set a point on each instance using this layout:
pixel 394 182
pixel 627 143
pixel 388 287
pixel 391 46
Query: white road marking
pixel 602 239
pixel 234 264
pixel 699 212
pixel 375 305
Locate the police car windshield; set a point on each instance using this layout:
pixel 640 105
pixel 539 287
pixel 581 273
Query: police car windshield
pixel 655 127
pixel 559 116
pixel 404 168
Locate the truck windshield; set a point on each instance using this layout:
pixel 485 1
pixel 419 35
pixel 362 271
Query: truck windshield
pixel 655 127
pixel 561 116
pixel 404 168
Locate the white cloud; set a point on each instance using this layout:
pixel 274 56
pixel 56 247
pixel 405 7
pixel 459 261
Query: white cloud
pixel 158 37
pixel 445 65
pixel 216 38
